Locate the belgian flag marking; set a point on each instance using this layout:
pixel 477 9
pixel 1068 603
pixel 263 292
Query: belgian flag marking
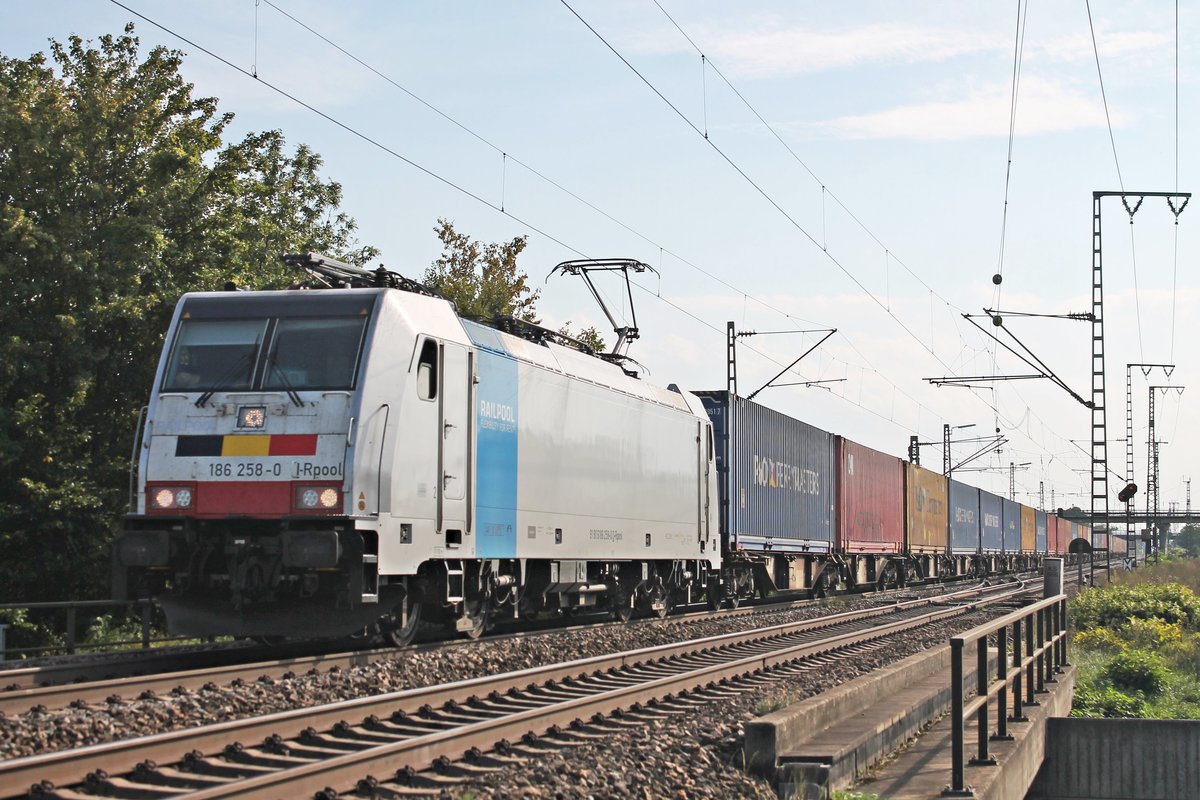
pixel 246 445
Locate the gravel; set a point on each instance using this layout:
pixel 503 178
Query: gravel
pixel 40 730
pixel 693 755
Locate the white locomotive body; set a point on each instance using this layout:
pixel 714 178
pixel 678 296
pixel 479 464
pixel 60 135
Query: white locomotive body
pixel 317 462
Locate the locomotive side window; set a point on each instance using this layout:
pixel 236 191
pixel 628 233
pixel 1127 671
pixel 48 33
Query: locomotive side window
pixel 314 353
pixel 214 354
pixel 427 377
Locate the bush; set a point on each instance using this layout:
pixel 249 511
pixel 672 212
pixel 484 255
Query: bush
pixel 1138 671
pixel 1151 634
pixel 1115 606
pixel 1099 640
pixel 24 632
pixel 1106 702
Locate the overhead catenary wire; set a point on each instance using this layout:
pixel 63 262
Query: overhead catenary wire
pixel 447 182
pixel 506 156
pixel 811 238
pixel 1112 138
pixel 433 174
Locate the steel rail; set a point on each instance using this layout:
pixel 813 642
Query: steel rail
pixel 72 766
pixel 421 752
pixel 56 686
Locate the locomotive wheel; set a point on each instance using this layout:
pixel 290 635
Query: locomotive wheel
pixel 477 613
pixel 664 608
pixel 396 634
pixel 622 608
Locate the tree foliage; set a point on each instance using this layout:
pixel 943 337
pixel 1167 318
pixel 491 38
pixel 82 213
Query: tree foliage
pixel 117 194
pixel 1188 540
pixel 481 279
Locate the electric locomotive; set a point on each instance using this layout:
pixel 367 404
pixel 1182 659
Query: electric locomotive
pixel 357 456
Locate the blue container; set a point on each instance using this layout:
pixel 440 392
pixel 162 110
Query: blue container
pixel 780 480
pixel 964 518
pixel 991 513
pixel 1040 517
pixel 1011 519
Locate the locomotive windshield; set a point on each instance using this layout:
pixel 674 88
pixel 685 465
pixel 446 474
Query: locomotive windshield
pixel 277 353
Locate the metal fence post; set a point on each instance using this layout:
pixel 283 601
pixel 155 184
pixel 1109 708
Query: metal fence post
pixel 1002 676
pixel 956 715
pixel 145 608
pixel 1018 684
pixel 71 630
pixel 981 690
pixel 1031 622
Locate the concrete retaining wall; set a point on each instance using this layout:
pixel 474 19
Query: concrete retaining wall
pixel 1120 759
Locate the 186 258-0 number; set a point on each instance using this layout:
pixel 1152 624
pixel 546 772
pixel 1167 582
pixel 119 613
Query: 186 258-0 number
pixel 244 469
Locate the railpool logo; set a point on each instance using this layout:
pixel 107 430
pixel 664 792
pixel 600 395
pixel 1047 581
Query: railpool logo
pixel 497 416
pixel 779 475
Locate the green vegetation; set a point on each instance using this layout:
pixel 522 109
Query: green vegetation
pixel 1137 644
pixel 118 193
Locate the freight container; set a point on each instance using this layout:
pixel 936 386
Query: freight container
pixel 870 500
pixel 1064 535
pixel 1118 543
pixel 964 518
pixel 1042 532
pixel 1054 540
pixel 1011 521
pixel 778 493
pixel 1028 530
pixel 925 509
pixel 991 537
pixel 1078 531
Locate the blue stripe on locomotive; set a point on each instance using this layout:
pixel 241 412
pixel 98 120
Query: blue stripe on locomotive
pixel 498 410
pixel 964 518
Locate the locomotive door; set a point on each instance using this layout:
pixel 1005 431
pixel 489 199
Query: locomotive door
pixel 704 456
pixel 454 443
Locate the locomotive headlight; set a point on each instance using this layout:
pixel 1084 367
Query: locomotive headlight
pixel 318 498
pixel 252 416
pixel 164 498
pixel 169 498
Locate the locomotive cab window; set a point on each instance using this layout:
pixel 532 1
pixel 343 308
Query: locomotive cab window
pixel 427 365
pixel 269 353
pixel 214 354
pixel 314 354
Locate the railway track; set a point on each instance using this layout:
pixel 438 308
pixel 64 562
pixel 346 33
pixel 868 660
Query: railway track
pixel 301 752
pixel 58 685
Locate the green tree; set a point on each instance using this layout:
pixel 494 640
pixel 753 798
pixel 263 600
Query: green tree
pixel 589 337
pixel 1188 540
pixel 117 194
pixel 481 279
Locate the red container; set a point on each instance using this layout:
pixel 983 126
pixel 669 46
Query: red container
pixel 1064 535
pixel 1053 545
pixel 870 500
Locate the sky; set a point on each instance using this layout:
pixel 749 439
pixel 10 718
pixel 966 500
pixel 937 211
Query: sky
pixel 787 166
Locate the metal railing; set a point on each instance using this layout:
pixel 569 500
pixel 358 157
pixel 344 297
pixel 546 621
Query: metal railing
pixel 1038 638
pixel 71 644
